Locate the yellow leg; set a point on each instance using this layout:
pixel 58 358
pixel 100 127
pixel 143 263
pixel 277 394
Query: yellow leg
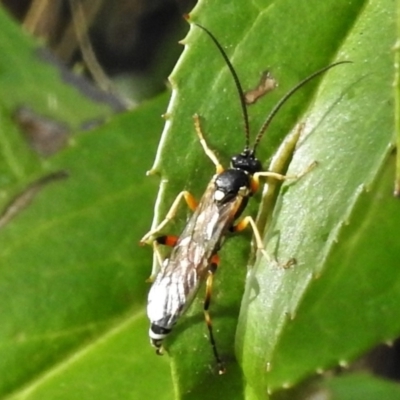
pixel 278 164
pixel 157 263
pixel 280 177
pixel 211 155
pixel 281 158
pixel 184 195
pixel 243 224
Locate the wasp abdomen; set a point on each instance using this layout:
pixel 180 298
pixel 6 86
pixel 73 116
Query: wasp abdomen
pixel 157 334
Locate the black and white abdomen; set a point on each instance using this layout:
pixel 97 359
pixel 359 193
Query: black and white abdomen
pixel 169 296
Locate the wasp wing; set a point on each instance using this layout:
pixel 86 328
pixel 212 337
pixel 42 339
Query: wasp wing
pixel 182 273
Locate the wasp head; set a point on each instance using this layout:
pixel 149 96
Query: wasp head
pixel 246 161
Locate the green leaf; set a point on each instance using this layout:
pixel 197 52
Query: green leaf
pixel 359 386
pixel 348 119
pixel 72 276
pixel 396 84
pixel 340 299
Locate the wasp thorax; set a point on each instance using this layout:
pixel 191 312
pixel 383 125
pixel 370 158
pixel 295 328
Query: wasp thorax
pixel 246 161
pixel 231 183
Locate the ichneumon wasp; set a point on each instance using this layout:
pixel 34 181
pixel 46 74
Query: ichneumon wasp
pixel 194 256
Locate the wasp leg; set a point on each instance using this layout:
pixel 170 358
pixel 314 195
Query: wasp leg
pixel 281 158
pixel 285 177
pixel 190 201
pixel 259 244
pixel 243 224
pixel 211 155
pixel 268 174
pixel 207 301
pixel 278 164
pixel 165 240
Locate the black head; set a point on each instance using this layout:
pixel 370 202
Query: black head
pixel 246 161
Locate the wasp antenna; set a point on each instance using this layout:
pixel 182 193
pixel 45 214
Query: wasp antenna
pixel 237 83
pixel 287 96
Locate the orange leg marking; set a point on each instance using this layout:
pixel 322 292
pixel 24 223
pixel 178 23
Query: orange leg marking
pixel 167 240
